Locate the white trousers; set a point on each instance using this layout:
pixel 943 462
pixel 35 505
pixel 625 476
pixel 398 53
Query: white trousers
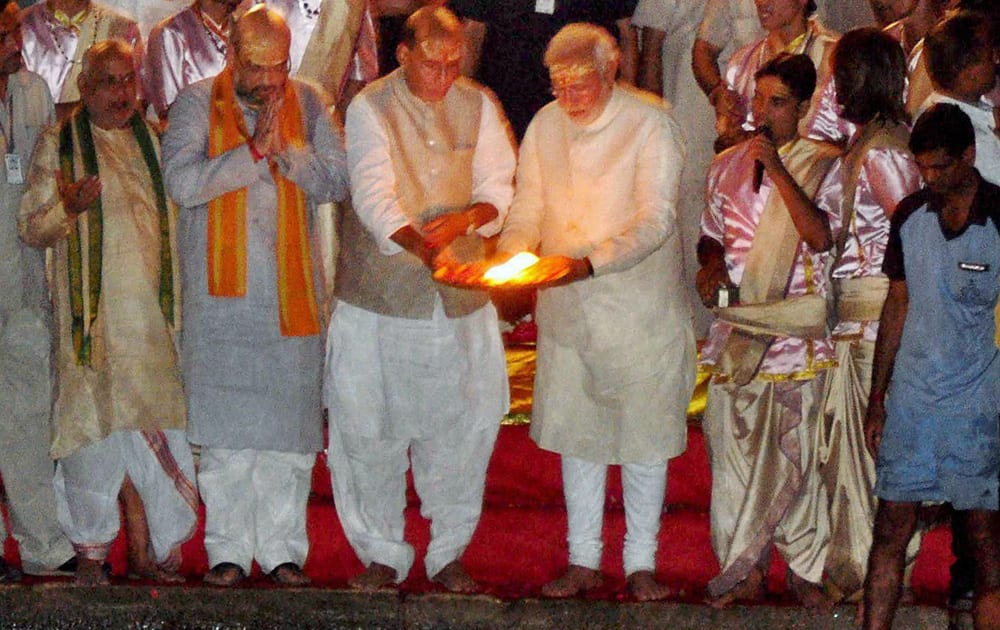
pixel 643 489
pixel 88 481
pixel 369 490
pixel 255 506
pixel 27 469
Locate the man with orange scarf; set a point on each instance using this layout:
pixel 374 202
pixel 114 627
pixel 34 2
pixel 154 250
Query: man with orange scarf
pixel 248 154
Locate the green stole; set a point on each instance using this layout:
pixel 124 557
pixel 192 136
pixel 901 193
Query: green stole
pixel 76 131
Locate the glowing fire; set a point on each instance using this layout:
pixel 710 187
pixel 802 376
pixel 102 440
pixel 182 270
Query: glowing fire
pixel 510 269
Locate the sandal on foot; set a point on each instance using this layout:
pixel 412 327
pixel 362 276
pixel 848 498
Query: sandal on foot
pixel 289 574
pixel 225 574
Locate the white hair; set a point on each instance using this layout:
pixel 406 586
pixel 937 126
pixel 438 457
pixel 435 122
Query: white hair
pixel 582 43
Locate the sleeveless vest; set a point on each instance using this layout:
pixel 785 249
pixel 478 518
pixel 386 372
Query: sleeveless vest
pixel 431 146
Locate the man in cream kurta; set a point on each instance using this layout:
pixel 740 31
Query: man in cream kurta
pixel 25 318
pixel 415 368
pixel 248 155
pixel 94 196
pixel 597 187
pixel 770 352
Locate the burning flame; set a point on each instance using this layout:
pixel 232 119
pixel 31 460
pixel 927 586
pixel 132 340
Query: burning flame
pixel 510 269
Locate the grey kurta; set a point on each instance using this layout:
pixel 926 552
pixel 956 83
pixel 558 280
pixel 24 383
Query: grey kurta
pixel 248 387
pixel 25 319
pixel 615 352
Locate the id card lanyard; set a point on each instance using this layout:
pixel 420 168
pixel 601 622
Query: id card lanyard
pixel 11 160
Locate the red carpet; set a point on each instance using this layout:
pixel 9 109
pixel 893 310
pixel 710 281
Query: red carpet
pixel 520 543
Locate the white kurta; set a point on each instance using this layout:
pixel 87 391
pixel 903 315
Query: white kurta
pixel 729 25
pixel 679 21
pixel 25 341
pixel 616 352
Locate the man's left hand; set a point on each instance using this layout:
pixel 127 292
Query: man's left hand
pixel 578 269
pixel 440 231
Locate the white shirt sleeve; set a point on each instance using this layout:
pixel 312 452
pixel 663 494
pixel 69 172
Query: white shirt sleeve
pixel 493 165
pixel 373 181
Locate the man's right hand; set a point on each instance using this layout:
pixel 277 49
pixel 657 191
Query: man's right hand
pixel 874 423
pixel 710 278
pixel 79 195
pixel 266 139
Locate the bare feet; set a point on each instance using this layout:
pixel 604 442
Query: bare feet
pixel 810 595
pixel 645 588
pixel 155 573
pixel 455 578
pixel 751 589
pixel 90 573
pixel 225 574
pixel 576 580
pixel 373 578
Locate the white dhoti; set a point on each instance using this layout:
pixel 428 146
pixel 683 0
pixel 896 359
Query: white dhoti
pixel 161 468
pixel 435 389
pixel 848 470
pixel 766 486
pixel 643 489
pixel 255 506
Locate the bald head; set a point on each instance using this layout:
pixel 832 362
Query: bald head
pixel 258 55
pixel 261 37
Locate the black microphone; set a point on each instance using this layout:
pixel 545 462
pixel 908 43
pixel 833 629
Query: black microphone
pixel 758 166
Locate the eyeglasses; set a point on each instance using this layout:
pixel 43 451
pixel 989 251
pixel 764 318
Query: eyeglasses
pixel 110 82
pixel 575 90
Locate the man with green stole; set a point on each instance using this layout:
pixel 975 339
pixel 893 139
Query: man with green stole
pixel 95 196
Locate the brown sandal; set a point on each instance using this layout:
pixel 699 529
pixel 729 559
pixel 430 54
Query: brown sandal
pixel 225 574
pixel 289 574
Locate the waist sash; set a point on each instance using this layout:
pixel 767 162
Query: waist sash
pixel 772 257
pixel 861 299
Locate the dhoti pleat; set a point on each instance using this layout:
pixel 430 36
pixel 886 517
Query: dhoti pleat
pixel 765 483
pixel 848 470
pixel 161 467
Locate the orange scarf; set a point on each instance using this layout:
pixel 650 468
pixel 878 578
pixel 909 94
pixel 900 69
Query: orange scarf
pixel 227 232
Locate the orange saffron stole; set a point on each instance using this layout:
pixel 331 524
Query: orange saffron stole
pixel 227 232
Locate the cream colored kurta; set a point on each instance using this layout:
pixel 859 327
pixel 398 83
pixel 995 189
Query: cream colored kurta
pixel 134 381
pixel 616 352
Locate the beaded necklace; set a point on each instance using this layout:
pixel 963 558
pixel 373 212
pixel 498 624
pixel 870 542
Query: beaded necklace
pixel 216 35
pixel 308 10
pixel 54 24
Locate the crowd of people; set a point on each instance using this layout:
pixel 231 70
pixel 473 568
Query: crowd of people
pixel 198 259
